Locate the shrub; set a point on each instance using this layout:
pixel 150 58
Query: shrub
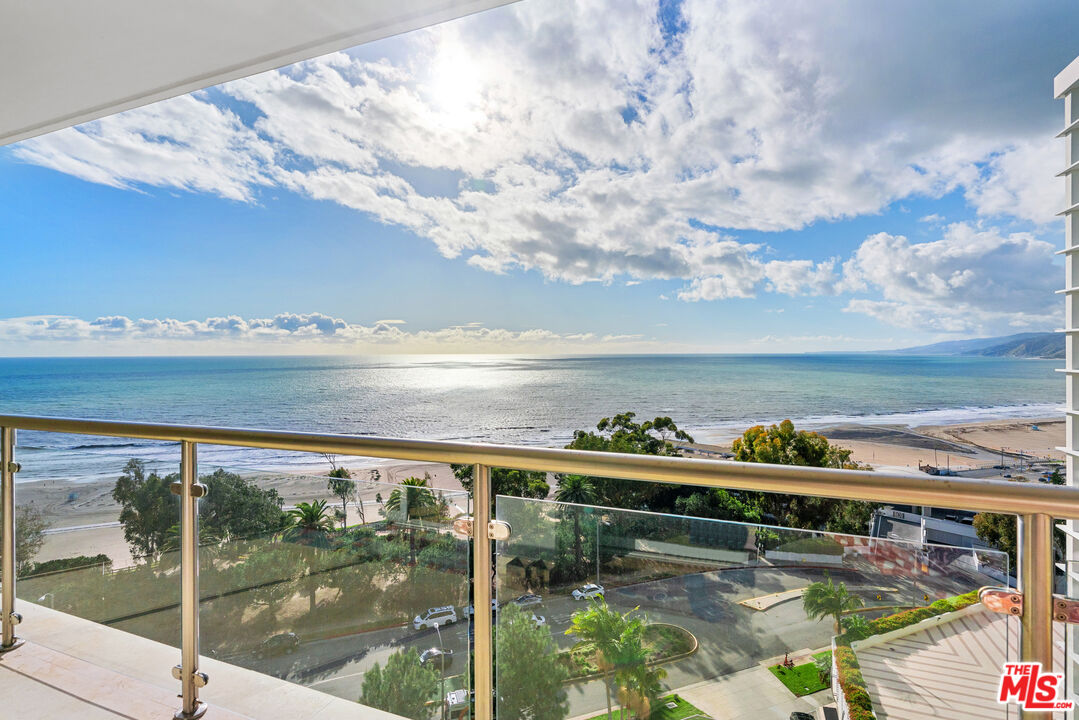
pixel 812 546
pixel 70 563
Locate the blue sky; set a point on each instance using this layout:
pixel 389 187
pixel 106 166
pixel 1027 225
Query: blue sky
pixel 567 177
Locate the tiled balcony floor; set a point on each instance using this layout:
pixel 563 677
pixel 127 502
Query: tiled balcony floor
pixel 72 668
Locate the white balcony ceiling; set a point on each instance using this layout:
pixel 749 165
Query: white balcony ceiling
pixel 63 62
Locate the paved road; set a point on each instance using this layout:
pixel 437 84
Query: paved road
pixel 732 637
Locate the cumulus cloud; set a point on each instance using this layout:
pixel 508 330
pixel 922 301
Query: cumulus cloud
pixel 595 141
pixel 968 280
pixel 287 332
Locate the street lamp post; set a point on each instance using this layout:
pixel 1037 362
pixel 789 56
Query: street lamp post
pixel 441 672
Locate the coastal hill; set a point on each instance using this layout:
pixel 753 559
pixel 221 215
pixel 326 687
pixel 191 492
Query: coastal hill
pixel 1022 345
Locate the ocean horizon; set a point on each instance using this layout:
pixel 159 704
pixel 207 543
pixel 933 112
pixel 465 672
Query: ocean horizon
pixel 531 400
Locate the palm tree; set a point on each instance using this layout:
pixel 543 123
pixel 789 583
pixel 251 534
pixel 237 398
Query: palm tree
pixel 416 501
pixel 309 521
pixel 578 490
pixel 826 599
pixel 613 635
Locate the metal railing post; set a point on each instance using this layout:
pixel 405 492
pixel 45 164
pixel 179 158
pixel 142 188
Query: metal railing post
pixel 8 468
pixel 1036 583
pixel 190 490
pixel 481 591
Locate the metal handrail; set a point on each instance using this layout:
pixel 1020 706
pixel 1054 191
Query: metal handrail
pixel 1036 505
pixel 941 491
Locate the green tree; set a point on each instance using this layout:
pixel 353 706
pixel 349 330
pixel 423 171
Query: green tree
pixel 623 434
pixel 1000 531
pixel 609 632
pixel 639 686
pixel 147 508
pixel 577 490
pixel 826 599
pixel 343 486
pixel 529 673
pixel 30 526
pixel 403 687
pixel 782 444
pixel 310 522
pixel 238 508
pixel 719 504
pixel 411 500
pixel 507 481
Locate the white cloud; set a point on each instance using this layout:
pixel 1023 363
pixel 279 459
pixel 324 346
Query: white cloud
pixel 581 140
pixel 286 332
pixel 969 280
pixel 1019 181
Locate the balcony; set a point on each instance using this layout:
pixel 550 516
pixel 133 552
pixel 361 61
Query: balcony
pixel 291 621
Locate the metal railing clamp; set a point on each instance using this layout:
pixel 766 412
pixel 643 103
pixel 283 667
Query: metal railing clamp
pixel 1010 602
pixel 1001 600
pixel 13 467
pixel 201 678
pixel 1065 609
pixel 197 489
pixel 496 529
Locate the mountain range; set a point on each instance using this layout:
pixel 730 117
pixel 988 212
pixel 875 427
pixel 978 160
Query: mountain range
pixel 1022 345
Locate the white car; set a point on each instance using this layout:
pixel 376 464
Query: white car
pixel 539 620
pixel 587 592
pixel 439 616
pixel 467 611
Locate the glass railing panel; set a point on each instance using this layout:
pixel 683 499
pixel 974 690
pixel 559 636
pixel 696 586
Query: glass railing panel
pixel 645 612
pixel 97 532
pixel 363 598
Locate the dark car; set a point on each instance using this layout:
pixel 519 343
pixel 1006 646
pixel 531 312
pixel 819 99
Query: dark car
pixel 436 658
pixel 527 600
pixel 801 716
pixel 280 644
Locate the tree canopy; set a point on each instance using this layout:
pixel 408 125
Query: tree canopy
pixel 826 599
pixel 403 687
pixel 529 673
pixel 232 508
pixel 507 481
pixel 783 445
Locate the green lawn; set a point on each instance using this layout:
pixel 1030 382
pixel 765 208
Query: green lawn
pixel 801 679
pixel 662 712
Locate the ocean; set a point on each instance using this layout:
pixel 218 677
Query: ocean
pixel 505 399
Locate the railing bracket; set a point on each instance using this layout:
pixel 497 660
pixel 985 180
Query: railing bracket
pixel 496 529
pixel 201 678
pixel 197 489
pixel 1001 600
pixel 1065 609
pixel 16 618
pixel 13 467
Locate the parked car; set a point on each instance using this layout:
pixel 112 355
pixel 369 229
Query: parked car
pixel 440 616
pixel 527 600
pixel 467 611
pixel 801 716
pixel 587 592
pixel 437 658
pixel 539 620
pixel 280 644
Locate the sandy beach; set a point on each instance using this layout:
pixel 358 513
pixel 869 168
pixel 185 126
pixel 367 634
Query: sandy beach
pixel 83 517
pixel 962 446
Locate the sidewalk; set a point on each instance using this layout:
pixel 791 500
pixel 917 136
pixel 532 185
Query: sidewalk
pixel 751 694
